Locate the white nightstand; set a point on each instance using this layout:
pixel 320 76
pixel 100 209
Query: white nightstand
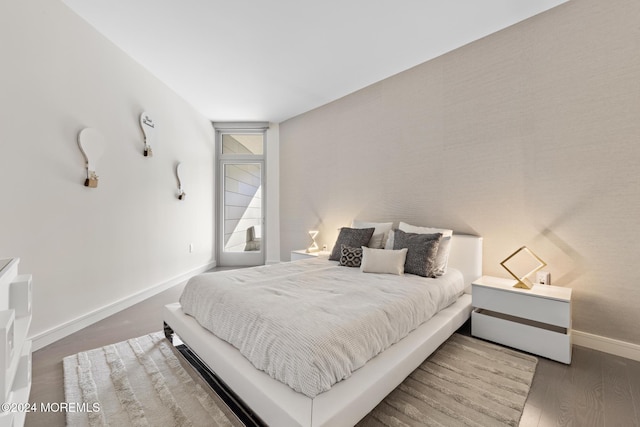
pixel 537 320
pixel 303 254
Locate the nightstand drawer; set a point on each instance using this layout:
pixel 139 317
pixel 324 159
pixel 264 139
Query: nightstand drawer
pixel 537 339
pixel 521 304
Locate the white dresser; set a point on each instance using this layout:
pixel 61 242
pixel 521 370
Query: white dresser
pixel 537 320
pixel 15 349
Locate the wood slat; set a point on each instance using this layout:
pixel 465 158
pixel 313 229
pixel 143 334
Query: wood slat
pixel 585 405
pixel 534 406
pixel 555 397
pixel 633 372
pixel 618 403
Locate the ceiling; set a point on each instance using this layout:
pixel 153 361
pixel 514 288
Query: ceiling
pixel 272 60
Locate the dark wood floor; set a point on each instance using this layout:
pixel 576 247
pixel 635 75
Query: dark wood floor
pixel 597 389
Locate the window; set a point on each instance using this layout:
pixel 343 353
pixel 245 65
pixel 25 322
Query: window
pixel 238 143
pixel 241 194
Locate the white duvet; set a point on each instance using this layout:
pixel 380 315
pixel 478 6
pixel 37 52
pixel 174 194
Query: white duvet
pixel 311 323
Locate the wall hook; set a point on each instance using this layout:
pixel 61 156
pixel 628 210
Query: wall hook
pixel 148 129
pixel 91 144
pixel 181 193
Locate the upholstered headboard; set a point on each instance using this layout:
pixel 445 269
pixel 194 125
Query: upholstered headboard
pixel 466 256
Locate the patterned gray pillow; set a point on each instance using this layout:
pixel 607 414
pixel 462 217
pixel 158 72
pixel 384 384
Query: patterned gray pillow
pixel 352 237
pixel 350 257
pixel 421 254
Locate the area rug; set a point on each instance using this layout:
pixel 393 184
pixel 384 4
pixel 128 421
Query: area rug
pixel 141 382
pixel 466 382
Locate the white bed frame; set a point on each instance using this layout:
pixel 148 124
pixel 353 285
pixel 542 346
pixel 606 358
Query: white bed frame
pixel 274 403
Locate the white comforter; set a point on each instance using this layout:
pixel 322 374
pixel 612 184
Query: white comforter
pixel 311 323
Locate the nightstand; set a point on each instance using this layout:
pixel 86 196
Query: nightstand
pixel 537 320
pixel 303 254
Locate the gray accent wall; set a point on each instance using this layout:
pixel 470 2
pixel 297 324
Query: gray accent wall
pixel 530 136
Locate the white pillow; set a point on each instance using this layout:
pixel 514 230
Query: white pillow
pixel 380 233
pixel 383 261
pixel 390 239
pixel 442 257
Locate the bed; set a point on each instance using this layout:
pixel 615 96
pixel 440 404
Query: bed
pixel 263 400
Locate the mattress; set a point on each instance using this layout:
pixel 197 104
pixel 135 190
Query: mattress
pixel 311 323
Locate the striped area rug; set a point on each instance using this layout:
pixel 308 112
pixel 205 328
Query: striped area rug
pixel 466 382
pixel 141 382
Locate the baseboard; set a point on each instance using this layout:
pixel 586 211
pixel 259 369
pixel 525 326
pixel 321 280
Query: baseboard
pixel 607 345
pixel 56 333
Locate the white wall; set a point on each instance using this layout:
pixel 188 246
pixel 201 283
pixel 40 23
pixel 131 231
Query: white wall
pixel 272 165
pixel 88 248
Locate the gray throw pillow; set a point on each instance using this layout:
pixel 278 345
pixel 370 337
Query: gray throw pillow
pixel 350 257
pixel 421 254
pixel 352 237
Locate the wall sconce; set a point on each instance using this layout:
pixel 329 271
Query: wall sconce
pixel 181 193
pixel 148 129
pixel 314 245
pixel 91 144
pixel 522 264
